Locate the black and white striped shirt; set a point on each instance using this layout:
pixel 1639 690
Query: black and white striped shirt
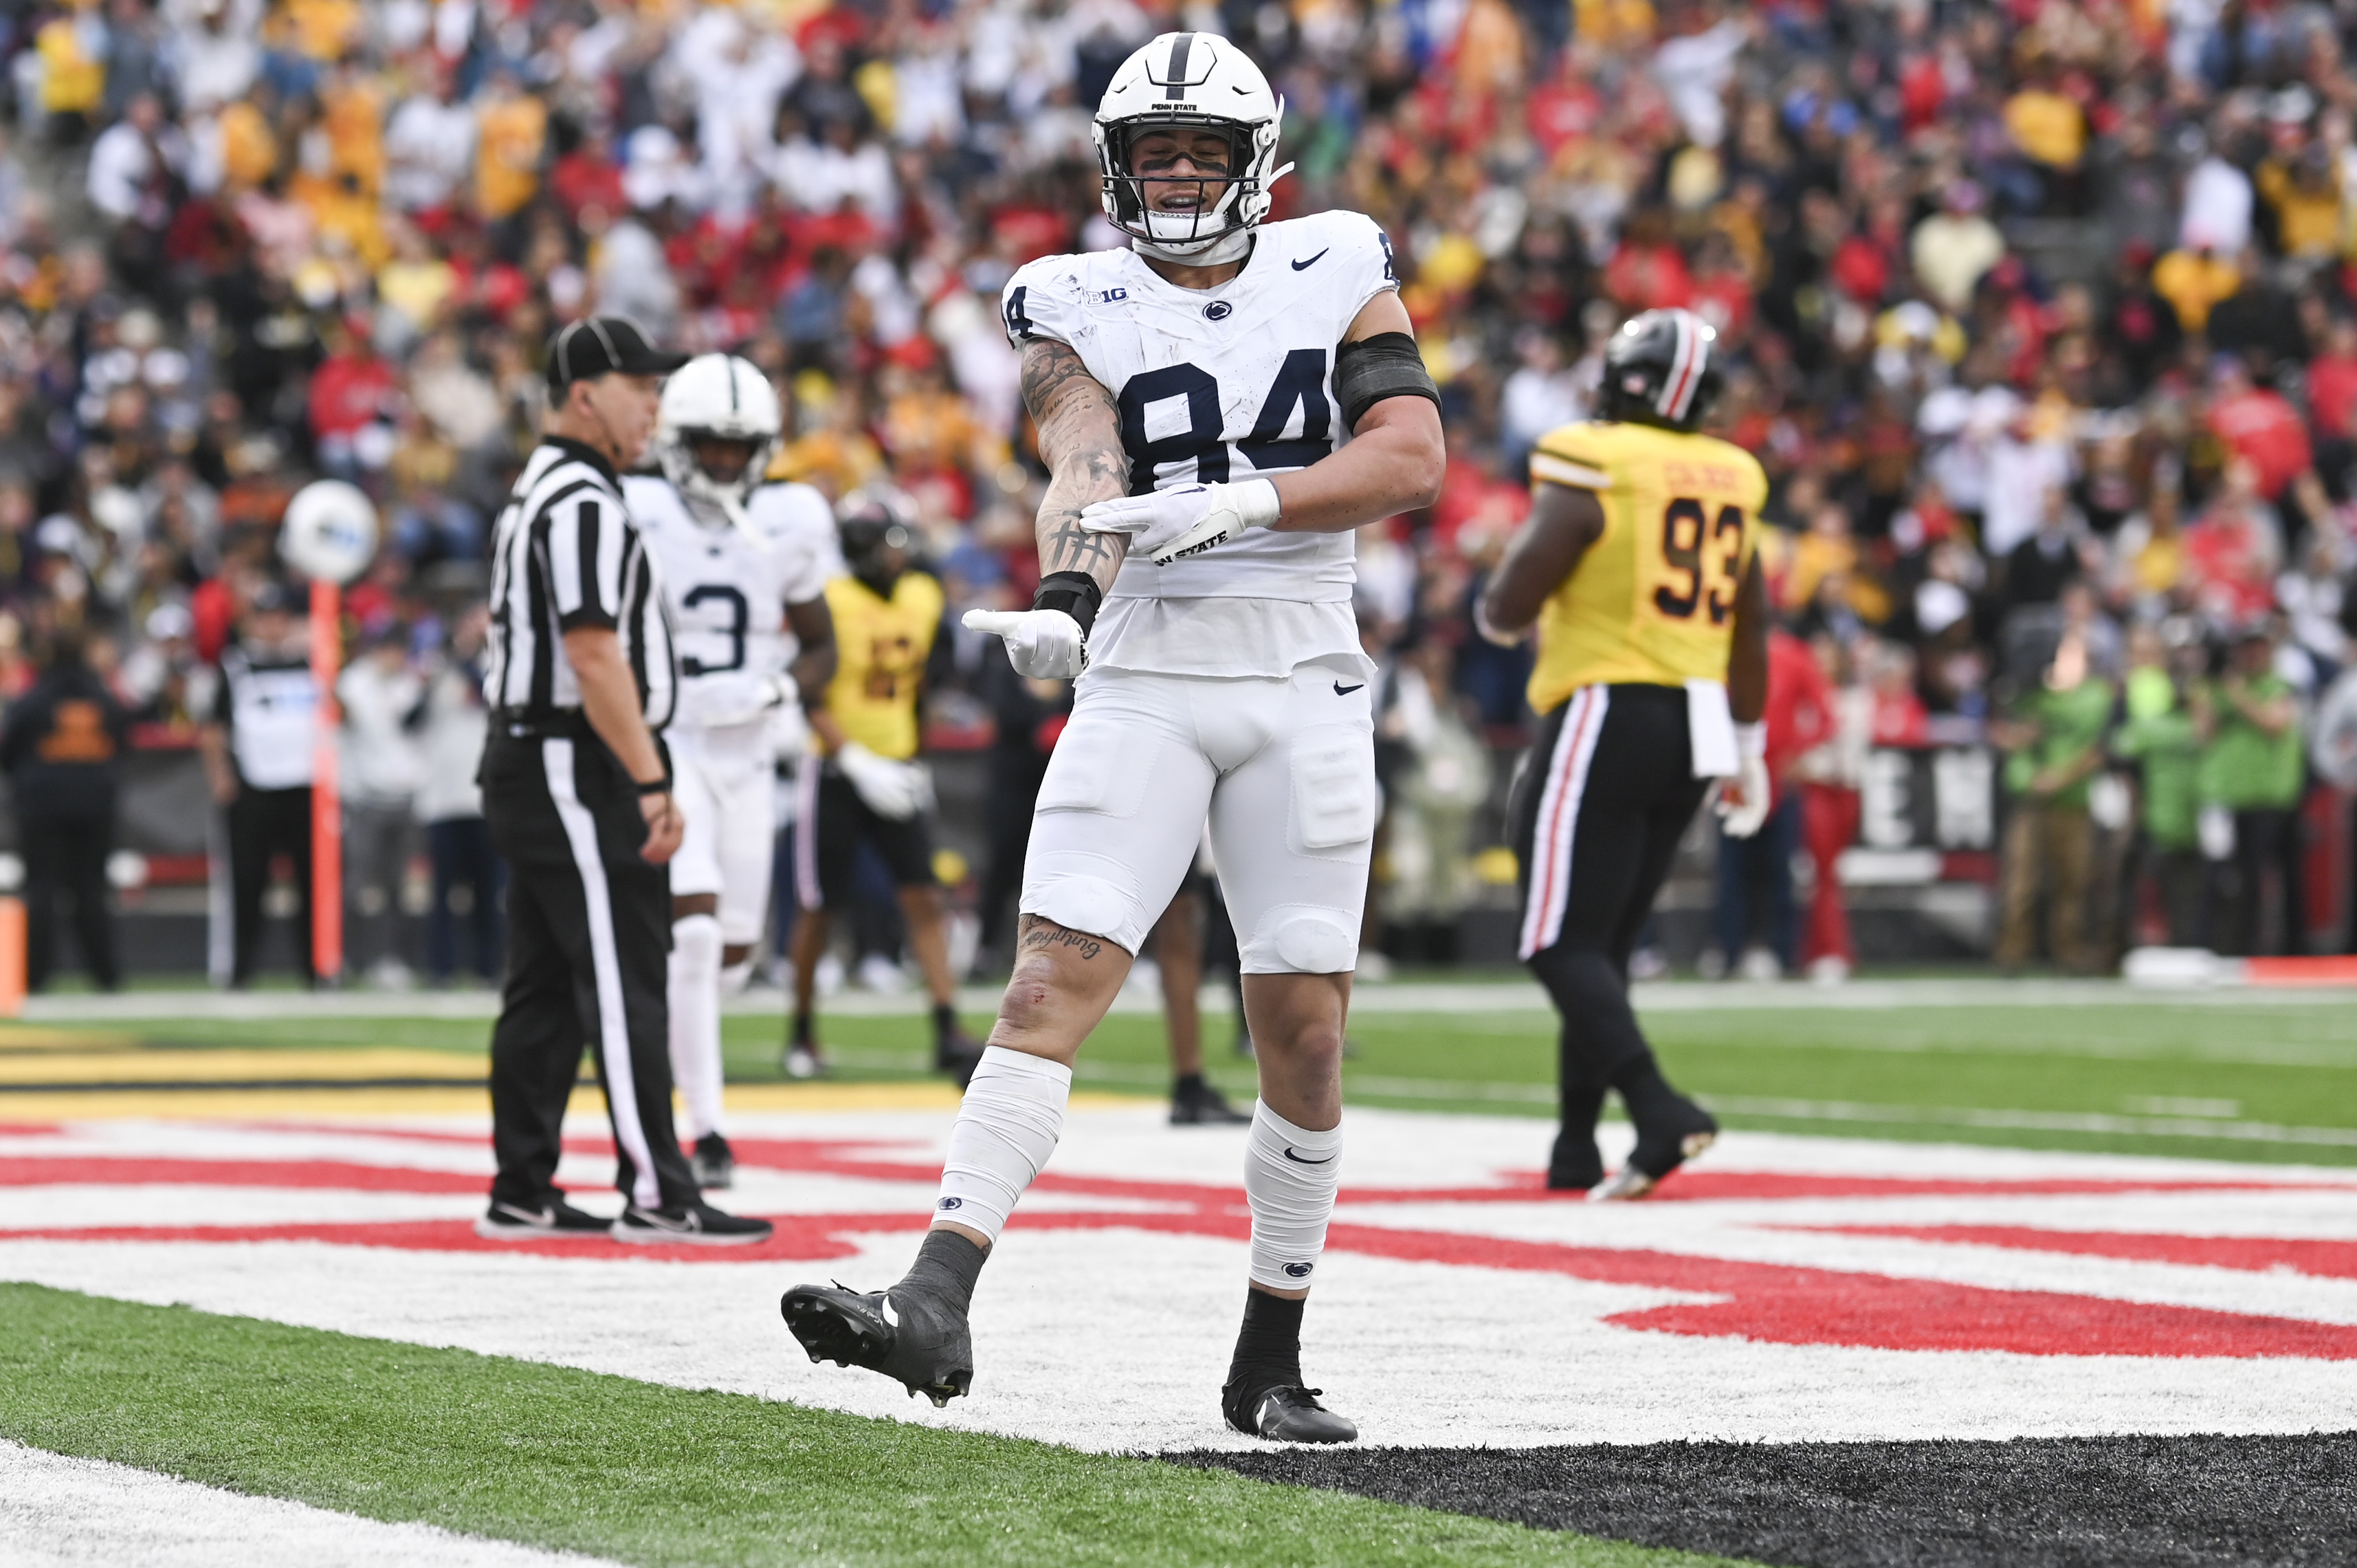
pixel 567 556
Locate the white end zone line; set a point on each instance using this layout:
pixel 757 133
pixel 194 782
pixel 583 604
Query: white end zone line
pixel 57 1511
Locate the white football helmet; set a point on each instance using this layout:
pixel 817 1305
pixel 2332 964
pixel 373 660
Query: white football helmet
pixel 721 396
pixel 1196 79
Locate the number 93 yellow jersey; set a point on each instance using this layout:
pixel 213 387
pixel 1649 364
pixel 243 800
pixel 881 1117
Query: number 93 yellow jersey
pixel 882 645
pixel 1653 602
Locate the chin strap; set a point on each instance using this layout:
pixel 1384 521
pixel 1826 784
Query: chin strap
pixel 1233 245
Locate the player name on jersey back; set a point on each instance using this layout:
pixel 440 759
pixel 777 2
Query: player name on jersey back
pixel 726 588
pixel 1221 384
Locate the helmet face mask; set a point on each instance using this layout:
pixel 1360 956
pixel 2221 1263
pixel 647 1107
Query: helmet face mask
pixel 1174 106
pixel 717 429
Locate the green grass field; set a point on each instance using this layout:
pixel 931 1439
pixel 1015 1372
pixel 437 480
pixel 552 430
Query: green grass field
pixel 2272 1079
pixel 556 1458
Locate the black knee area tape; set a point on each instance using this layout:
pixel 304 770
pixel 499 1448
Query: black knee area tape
pixel 1386 365
pixel 1075 593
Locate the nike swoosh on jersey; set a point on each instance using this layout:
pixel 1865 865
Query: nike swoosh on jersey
pixel 1298 1160
pixel 1305 267
pixel 1342 690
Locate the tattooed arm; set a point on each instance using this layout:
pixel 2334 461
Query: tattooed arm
pixel 1080 439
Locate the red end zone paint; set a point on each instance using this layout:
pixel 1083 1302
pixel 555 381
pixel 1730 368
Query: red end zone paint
pixel 1693 1187
pixel 2262 1254
pixel 105 1171
pixel 798 1237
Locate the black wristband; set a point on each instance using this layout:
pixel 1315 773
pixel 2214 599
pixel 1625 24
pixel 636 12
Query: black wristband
pixel 1075 593
pixel 659 786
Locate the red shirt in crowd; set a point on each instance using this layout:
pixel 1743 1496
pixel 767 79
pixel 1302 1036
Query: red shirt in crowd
pixel 2228 562
pixel 1799 705
pixel 348 391
pixel 2331 394
pixel 2267 431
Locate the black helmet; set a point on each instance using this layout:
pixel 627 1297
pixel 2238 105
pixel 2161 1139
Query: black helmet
pixel 869 523
pixel 1659 369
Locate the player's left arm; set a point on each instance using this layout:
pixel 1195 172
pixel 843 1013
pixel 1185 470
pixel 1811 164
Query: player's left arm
pixel 1545 551
pixel 1395 458
pixel 1747 655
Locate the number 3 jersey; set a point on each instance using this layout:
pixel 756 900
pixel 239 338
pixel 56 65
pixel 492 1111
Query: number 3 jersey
pixel 1653 602
pixel 1220 385
pixel 725 589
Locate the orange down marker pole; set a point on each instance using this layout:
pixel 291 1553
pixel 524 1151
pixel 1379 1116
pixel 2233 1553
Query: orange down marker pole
pixel 12 957
pixel 327 809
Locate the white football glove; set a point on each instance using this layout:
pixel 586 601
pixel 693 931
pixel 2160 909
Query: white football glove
pixel 1042 645
pixel 895 790
pixel 773 691
pixel 1169 525
pixel 1747 813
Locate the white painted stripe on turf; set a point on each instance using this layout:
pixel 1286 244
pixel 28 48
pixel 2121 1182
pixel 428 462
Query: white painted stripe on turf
pixel 604 963
pixel 57 1511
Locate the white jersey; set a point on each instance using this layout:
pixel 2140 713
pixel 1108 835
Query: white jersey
pixel 726 588
pixel 1219 384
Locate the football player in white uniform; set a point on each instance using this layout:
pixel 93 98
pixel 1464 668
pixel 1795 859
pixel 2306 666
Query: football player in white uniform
pixel 744 568
pixel 1221 405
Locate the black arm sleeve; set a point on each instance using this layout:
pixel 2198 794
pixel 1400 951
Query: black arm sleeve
pixel 1373 369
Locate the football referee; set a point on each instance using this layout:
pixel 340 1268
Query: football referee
pixel 577 791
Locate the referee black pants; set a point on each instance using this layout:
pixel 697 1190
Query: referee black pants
pixel 588 945
pixel 1599 803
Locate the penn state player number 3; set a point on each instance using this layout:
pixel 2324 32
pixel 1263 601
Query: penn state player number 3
pixel 740 622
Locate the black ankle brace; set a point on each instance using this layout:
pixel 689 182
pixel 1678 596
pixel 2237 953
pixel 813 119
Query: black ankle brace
pixel 947 1266
pixel 1268 1346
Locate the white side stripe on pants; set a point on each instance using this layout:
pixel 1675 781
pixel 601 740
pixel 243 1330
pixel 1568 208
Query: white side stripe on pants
pixel 613 1021
pixel 1558 819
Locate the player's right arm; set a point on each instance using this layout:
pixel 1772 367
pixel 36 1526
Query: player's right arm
pixel 1564 520
pixel 1080 440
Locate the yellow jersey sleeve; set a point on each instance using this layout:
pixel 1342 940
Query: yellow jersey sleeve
pixel 882 645
pixel 1653 602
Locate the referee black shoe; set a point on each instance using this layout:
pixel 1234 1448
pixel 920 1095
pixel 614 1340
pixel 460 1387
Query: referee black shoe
pixel 1662 1145
pixel 688 1224
pixel 917 1339
pixel 715 1163
pixel 552 1216
pixel 1283 1414
pixel 1195 1103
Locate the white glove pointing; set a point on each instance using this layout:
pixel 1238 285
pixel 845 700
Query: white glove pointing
pixel 1042 645
pixel 1169 525
pixel 895 790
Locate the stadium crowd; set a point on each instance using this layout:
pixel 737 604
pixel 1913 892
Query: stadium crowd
pixel 2041 315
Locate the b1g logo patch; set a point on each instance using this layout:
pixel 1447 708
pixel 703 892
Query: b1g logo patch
pixel 1113 296
pixel 1218 310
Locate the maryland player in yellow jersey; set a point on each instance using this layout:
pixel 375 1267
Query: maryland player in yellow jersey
pixel 1638 568
pixel 864 787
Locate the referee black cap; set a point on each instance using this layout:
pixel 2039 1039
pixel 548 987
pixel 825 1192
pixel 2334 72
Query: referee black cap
pixel 603 345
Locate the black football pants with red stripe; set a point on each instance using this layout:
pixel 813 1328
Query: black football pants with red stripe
pixel 1597 808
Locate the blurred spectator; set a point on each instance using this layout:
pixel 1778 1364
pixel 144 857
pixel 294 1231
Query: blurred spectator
pixel 1826 777
pixel 258 746
pixel 379 778
pixel 62 748
pixel 1754 875
pixel 449 723
pixel 1433 800
pixel 2254 772
pixel 2160 733
pixel 2054 735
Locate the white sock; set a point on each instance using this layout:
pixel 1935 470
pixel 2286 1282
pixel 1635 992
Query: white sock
pixel 694 991
pixel 735 977
pixel 1013 1114
pixel 1290 1174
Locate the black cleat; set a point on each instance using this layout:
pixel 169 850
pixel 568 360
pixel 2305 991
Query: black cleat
pixel 958 1054
pixel 1283 1414
pixel 551 1217
pixel 714 1162
pixel 689 1225
pixel 918 1341
pixel 1195 1103
pixel 1661 1148
pixel 1575 1166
